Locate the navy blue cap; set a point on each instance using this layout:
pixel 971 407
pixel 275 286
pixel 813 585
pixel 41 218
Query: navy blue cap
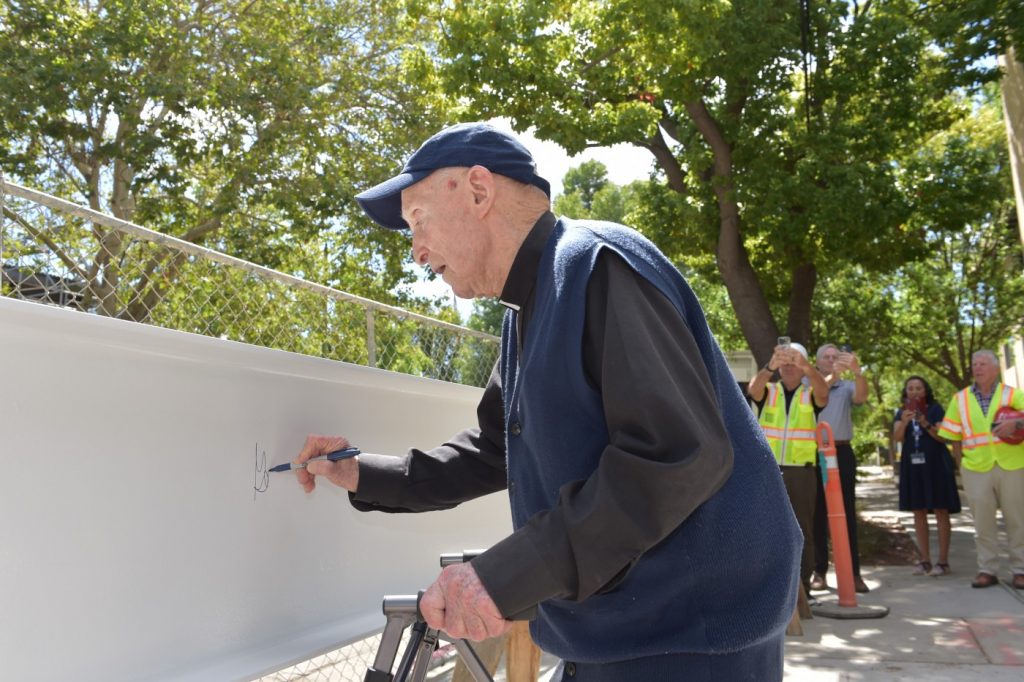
pixel 461 145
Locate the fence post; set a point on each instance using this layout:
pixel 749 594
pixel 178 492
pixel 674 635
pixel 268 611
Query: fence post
pixel 371 339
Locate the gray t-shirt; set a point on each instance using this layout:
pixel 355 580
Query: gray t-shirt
pixel 837 412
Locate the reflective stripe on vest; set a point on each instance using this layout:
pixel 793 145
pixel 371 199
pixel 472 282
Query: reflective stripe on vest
pixel 791 434
pixel 981 448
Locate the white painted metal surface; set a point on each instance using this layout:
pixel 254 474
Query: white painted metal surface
pixel 131 545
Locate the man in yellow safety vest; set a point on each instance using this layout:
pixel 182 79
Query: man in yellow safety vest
pixel 993 470
pixel 788 412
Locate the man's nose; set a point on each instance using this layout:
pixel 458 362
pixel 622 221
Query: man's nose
pixel 419 253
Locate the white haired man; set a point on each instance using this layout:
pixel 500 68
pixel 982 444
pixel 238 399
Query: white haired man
pixel 843 396
pixel 788 413
pixel 992 470
pixel 637 476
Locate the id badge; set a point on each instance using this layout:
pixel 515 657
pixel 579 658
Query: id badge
pixel 917 458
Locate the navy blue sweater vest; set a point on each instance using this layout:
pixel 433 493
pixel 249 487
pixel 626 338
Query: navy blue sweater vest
pixel 726 578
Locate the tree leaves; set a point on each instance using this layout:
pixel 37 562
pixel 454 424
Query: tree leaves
pixel 247 126
pixel 781 178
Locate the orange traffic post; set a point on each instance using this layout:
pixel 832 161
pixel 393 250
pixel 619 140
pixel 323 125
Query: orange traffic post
pixel 836 516
pixel 847 604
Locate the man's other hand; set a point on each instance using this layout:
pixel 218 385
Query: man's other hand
pixel 458 604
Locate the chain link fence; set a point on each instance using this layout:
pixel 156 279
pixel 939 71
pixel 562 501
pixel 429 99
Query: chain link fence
pixel 59 253
pixel 350 663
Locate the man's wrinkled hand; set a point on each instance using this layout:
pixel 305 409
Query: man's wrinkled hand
pixel 343 473
pixel 458 604
pixel 1005 429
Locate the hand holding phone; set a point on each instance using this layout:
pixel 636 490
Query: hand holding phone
pixel 916 406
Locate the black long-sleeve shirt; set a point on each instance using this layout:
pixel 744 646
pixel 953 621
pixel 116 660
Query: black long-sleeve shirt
pixel 664 427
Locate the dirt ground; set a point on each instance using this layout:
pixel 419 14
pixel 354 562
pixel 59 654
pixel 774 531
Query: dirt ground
pixel 884 541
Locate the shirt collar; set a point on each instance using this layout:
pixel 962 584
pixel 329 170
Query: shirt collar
pixel 523 274
pixel 978 392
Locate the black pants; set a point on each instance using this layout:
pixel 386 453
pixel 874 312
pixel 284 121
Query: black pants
pixel 799 481
pixel 848 483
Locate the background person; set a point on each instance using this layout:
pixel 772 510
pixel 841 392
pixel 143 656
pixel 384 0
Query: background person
pixel 843 396
pixel 637 476
pixel 927 479
pixel 788 412
pixel 992 471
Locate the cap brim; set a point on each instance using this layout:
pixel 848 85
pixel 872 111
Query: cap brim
pixel 383 202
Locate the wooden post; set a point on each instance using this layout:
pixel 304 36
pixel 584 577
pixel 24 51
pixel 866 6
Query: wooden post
pixel 489 651
pixel 523 657
pixel 802 610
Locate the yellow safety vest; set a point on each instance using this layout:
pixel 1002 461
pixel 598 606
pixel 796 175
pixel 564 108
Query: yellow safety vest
pixel 791 435
pixel 966 423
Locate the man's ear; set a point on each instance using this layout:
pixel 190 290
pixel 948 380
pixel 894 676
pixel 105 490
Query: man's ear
pixel 482 185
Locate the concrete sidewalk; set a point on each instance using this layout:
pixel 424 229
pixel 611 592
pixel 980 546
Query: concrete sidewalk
pixel 938 629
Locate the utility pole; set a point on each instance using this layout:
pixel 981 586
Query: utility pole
pixel 1012 360
pixel 1013 112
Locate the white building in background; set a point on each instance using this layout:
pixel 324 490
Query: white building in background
pixel 1011 362
pixel 742 364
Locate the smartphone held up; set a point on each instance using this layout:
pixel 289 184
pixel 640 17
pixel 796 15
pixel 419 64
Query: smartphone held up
pixel 915 406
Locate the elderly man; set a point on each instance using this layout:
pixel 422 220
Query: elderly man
pixel 843 396
pixel 638 480
pixel 789 412
pixel 992 470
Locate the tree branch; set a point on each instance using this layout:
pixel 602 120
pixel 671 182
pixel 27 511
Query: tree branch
pixel 41 236
pixel 202 229
pixel 667 161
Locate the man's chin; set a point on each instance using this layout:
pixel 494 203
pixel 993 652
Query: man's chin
pixel 461 290
pixel 458 290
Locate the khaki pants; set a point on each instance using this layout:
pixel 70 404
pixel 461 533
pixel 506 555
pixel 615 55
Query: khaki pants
pixel 986 492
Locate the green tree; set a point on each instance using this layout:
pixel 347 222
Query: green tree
pixel 478 356
pixel 585 180
pixel 969 296
pixel 967 290
pixel 779 171
pixel 570 205
pixel 611 203
pixel 587 193
pixel 640 205
pixel 973 33
pixel 487 316
pixel 247 127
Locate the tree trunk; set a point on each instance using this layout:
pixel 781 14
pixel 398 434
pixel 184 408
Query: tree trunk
pixel 801 295
pixel 745 293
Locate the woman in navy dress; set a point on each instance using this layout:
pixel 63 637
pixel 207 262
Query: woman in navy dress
pixel 927 479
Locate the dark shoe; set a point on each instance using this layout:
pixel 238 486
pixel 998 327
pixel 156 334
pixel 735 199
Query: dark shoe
pixel 1018 581
pixel 859 585
pixel 818 582
pixel 984 580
